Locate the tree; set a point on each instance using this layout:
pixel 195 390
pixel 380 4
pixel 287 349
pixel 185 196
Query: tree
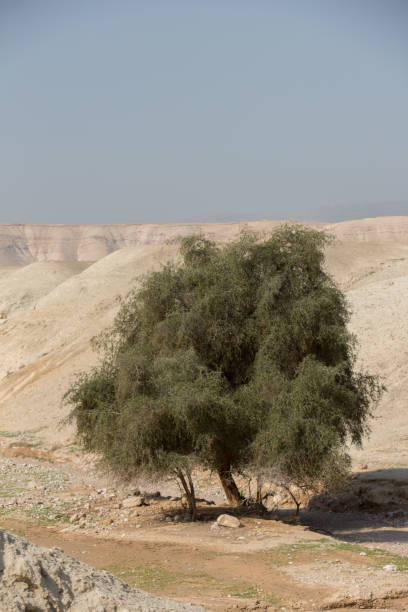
pixel 239 355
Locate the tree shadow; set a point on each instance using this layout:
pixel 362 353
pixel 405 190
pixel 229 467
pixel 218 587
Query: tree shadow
pixel 395 536
pixel 397 474
pixel 382 491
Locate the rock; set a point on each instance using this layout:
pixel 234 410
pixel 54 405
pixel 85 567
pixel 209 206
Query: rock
pixel 215 527
pixel 226 520
pixel 363 466
pixel 133 502
pixel 390 567
pixel 36 578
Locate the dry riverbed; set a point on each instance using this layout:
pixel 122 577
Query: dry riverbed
pixel 143 535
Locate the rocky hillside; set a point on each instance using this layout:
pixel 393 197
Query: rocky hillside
pixel 25 244
pixel 36 578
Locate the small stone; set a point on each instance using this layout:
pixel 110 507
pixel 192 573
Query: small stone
pixel 390 567
pixel 363 554
pixel 363 466
pixel 107 522
pixel 215 527
pixel 226 520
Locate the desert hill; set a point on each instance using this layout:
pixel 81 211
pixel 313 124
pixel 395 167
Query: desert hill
pixel 25 244
pixel 53 300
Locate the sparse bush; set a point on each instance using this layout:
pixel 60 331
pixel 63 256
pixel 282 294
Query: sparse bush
pixel 238 356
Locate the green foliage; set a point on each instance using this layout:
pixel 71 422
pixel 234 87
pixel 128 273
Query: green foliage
pixel 238 356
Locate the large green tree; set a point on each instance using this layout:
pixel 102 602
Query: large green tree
pixel 237 356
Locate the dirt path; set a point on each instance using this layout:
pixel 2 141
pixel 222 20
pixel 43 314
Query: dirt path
pixel 329 560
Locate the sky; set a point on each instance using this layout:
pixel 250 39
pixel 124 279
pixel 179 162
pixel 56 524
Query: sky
pixel 132 111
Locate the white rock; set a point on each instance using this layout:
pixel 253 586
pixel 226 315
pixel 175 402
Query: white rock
pixel 390 567
pixel 35 578
pixel 226 520
pixel 133 502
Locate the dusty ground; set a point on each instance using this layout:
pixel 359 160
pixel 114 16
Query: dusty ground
pixel 271 562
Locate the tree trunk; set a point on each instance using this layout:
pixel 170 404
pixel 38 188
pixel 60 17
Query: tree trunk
pixel 259 499
pixel 298 503
pixel 189 491
pixel 228 484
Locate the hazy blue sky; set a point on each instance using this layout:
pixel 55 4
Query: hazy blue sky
pixel 168 110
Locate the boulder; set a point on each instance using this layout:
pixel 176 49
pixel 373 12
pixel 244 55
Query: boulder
pixel 226 520
pixel 133 502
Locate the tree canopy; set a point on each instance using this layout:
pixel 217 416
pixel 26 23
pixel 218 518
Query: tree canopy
pixel 238 356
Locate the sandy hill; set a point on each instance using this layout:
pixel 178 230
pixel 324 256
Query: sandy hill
pixel 25 244
pixel 53 304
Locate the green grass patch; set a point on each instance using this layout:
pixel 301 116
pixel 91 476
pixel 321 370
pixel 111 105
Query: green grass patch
pixel 321 548
pixel 10 434
pixel 379 556
pixel 46 515
pixel 151 577
pixel 287 552
pixel 244 590
pixel 24 444
pixel 39 515
pixel 158 579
